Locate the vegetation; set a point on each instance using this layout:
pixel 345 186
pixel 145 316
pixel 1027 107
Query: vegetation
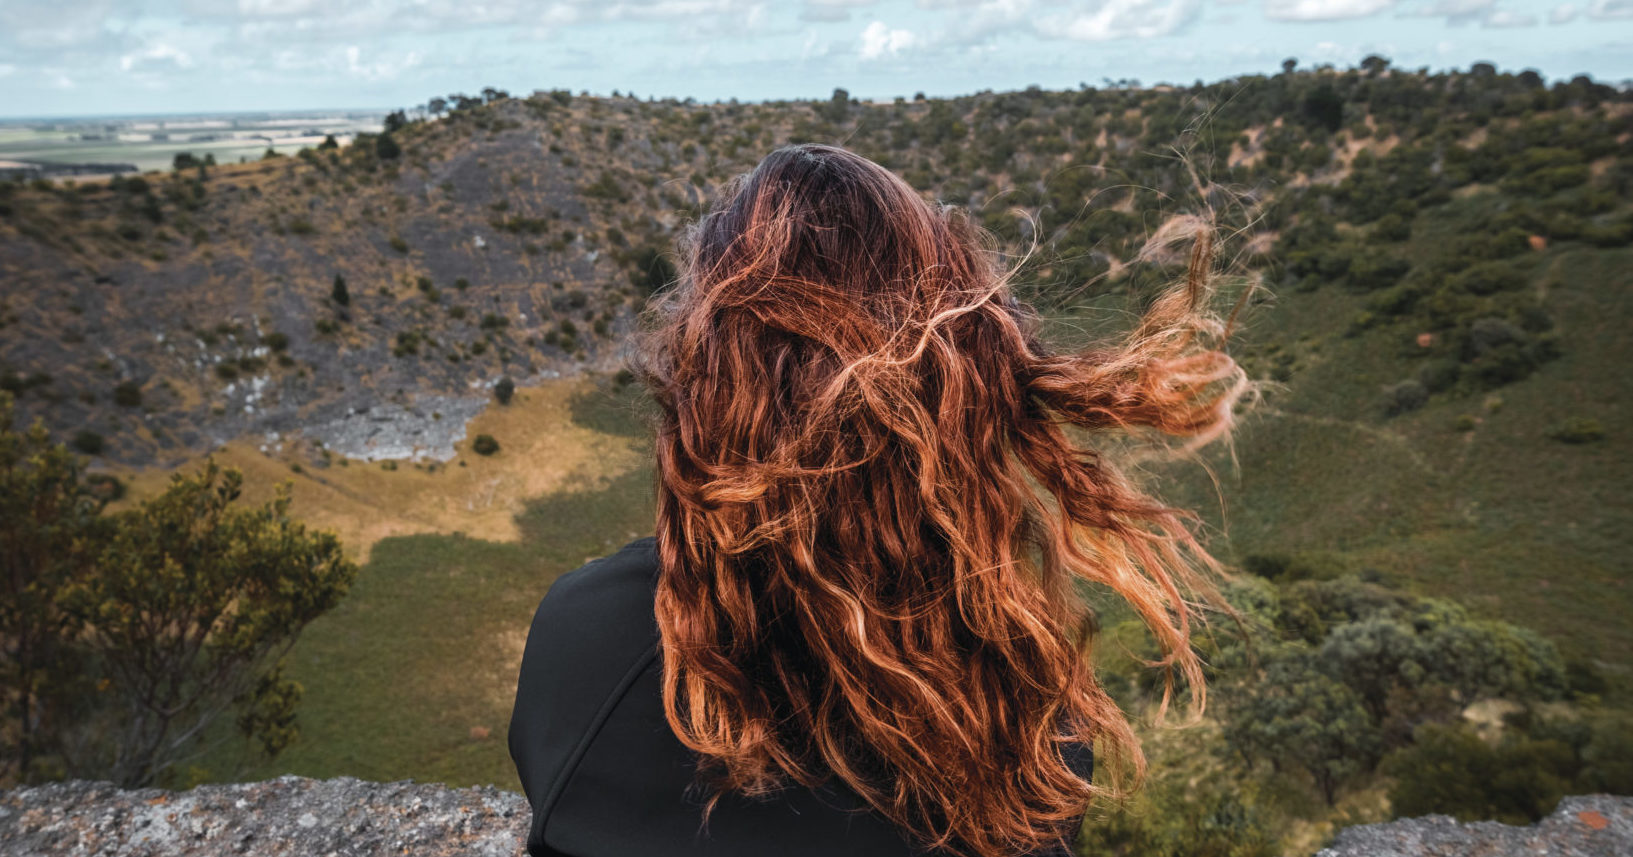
pixel 128 634
pixel 1424 511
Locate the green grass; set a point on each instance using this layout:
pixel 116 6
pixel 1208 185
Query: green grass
pixel 1516 525
pixel 1502 518
pixel 425 647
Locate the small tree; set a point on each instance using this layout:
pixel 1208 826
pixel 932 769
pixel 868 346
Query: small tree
pixel 386 148
pixel 338 292
pixel 124 637
pixel 504 390
pixel 190 609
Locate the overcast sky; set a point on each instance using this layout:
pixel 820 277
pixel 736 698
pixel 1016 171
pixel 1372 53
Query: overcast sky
pixel 82 57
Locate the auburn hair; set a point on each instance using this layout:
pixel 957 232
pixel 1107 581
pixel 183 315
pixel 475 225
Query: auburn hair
pixel 873 522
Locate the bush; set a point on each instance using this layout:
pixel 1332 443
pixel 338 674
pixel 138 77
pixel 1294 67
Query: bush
pixel 484 444
pixel 504 390
pixel 128 394
pixel 1577 430
pixel 104 691
pixel 88 442
pixel 1408 395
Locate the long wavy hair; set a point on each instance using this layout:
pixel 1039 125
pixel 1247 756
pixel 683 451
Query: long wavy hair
pixel 873 523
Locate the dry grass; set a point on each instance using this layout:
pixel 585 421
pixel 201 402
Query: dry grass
pixel 541 452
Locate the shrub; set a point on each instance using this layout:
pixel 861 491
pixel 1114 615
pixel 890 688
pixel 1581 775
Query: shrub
pixel 278 342
pixel 338 292
pixel 1406 396
pixel 88 442
pixel 1577 430
pixel 504 390
pixel 484 444
pixel 128 394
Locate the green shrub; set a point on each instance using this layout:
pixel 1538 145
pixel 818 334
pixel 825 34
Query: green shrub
pixel 88 442
pixel 504 390
pixel 1577 430
pixel 128 394
pixel 484 444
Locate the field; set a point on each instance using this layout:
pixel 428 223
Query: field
pixel 137 141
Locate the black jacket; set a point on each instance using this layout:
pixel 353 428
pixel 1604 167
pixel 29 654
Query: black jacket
pixel 603 771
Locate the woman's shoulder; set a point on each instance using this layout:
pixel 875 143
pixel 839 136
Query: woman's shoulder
pixel 592 630
pixel 605 590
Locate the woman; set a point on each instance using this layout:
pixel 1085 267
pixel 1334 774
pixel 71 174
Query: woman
pixel 859 628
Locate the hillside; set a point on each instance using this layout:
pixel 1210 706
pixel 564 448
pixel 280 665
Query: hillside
pixel 1445 263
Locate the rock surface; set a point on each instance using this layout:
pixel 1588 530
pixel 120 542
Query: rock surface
pixel 1583 826
pixel 297 817
pixel 287 816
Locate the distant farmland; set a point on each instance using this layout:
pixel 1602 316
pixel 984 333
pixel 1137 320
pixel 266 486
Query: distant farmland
pixel 152 142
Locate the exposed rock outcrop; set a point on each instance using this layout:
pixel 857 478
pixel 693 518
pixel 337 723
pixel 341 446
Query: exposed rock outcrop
pixel 286 817
pixel 298 817
pixel 1583 826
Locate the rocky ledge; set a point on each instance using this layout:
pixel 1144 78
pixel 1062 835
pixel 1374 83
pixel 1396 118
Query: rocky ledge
pixel 1584 826
pixel 297 817
pixel 286 817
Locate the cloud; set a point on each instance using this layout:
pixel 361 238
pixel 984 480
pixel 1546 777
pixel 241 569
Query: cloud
pixel 1610 10
pixel 1482 12
pixel 1323 10
pixel 1120 19
pixel 1505 18
pixel 879 40
pixel 832 10
pixel 380 69
pixel 156 58
pixel 1564 13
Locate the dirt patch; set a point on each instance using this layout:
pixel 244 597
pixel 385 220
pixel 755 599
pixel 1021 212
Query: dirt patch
pixel 541 451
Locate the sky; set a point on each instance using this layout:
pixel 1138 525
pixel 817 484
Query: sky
pixel 115 57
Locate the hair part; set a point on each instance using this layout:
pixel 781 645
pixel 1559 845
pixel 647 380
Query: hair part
pixel 872 521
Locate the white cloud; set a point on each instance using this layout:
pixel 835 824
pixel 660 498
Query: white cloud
pixel 1610 10
pixel 832 10
pixel 1564 13
pixel 155 57
pixel 1505 18
pixel 879 40
pixel 1323 10
pixel 384 69
pixel 1121 19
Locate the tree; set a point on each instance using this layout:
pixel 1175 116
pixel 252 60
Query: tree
pixel 49 525
pixel 1298 717
pixel 128 635
pixel 192 604
pixel 329 142
pixel 338 293
pixel 437 106
pixel 396 120
pixel 184 161
pixel 386 148
pixel 504 390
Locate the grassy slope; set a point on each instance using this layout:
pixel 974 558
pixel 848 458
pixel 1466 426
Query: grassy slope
pixel 403 677
pixel 1501 518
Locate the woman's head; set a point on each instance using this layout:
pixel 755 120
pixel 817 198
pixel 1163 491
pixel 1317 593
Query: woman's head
pixel 872 522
